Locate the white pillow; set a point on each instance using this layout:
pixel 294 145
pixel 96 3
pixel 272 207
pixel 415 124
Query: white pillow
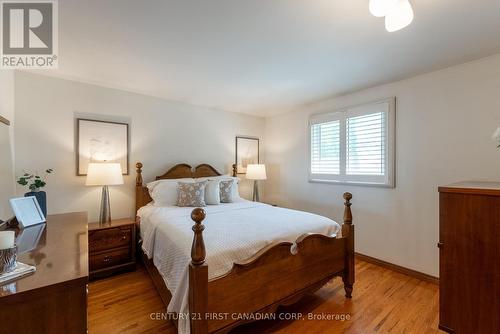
pixel 164 192
pixel 212 193
pixel 235 193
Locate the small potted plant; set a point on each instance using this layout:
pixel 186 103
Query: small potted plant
pixel 35 182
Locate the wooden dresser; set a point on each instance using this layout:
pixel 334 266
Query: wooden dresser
pixel 54 298
pixel 469 271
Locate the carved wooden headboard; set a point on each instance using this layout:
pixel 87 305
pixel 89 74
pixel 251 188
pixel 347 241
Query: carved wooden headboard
pixel 177 172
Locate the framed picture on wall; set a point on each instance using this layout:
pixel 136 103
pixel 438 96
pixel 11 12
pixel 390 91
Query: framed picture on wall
pixel 247 152
pixel 99 141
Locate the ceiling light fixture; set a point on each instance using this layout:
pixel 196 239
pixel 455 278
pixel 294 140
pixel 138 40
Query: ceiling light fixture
pixel 381 8
pixel 398 13
pixel 399 17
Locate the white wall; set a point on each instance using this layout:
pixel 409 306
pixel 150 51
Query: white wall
pixel 163 133
pixel 445 120
pixel 444 124
pixel 6 142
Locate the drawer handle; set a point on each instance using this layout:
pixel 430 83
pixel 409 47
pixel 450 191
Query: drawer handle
pixel 107 258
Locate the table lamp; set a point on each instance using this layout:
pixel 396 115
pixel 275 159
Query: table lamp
pixel 256 172
pixel 104 174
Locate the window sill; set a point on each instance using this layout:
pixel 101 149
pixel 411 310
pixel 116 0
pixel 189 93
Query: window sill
pixel 353 183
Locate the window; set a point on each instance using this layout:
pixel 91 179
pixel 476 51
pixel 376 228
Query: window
pixel 354 145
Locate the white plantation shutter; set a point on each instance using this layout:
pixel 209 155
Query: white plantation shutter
pixel 366 144
pixel 325 148
pixel 354 145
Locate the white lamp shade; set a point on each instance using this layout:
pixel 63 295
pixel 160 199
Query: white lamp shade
pixel 399 17
pixel 380 8
pixel 104 174
pixel 256 172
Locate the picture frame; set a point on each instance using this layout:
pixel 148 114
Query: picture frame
pixel 99 141
pixel 247 152
pixel 7 170
pixel 27 211
pixel 4 120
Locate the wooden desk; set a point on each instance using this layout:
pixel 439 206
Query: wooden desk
pixel 54 298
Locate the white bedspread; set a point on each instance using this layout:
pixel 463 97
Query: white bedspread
pixel 233 232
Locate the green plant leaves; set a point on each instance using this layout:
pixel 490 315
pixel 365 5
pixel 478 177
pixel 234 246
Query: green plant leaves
pixel 33 181
pixel 22 181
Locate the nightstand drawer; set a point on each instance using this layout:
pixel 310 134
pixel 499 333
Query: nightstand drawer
pixel 100 240
pixel 111 247
pixel 110 258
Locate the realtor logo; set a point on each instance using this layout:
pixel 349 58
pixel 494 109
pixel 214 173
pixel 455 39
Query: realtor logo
pixel 29 34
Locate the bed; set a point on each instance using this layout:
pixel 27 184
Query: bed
pixel 245 258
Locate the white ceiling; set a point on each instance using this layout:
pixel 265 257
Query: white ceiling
pixel 263 56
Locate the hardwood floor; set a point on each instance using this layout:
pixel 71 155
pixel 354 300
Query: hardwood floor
pixel 383 301
pixel 123 303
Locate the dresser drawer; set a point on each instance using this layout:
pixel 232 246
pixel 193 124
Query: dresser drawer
pixel 110 258
pixel 109 238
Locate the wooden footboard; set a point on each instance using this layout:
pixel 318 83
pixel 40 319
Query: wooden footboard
pixel 277 275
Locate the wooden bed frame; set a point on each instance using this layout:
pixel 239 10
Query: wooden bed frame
pixel 272 277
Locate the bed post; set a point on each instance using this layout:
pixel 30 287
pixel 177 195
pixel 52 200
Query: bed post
pixel 348 233
pixel 138 185
pixel 198 277
pixel 235 170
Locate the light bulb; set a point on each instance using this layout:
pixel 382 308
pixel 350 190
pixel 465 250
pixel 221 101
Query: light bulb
pixel 380 8
pixel 399 17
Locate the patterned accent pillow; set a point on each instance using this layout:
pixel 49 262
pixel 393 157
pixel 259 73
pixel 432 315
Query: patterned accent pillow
pixel 191 194
pixel 226 195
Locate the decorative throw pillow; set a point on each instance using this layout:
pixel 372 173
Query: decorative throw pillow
pixel 191 194
pixel 212 192
pixel 235 191
pixel 226 194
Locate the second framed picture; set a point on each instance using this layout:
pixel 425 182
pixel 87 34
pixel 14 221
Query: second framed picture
pixel 99 141
pixel 247 152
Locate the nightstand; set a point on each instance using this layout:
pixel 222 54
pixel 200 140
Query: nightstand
pixel 111 247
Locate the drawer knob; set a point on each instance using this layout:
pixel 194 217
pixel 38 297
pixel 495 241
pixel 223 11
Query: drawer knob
pixel 107 258
pixel 124 236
